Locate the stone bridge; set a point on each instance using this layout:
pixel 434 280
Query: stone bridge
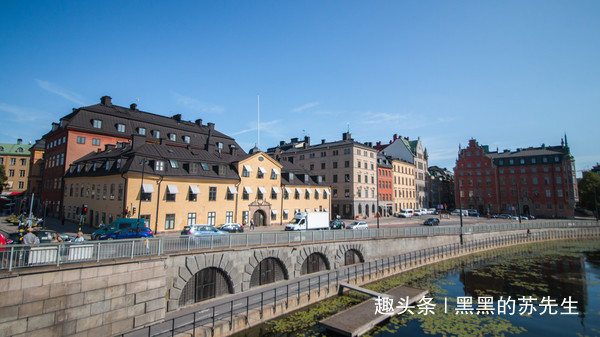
pixel 119 296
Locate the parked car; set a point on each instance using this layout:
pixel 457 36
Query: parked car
pixel 45 236
pixel 231 228
pixel 458 211
pixel 504 216
pixel 418 212
pixel 358 225
pixel 199 230
pixel 337 224
pixel 473 212
pixel 127 233
pixel 406 213
pixel 432 211
pixel 431 222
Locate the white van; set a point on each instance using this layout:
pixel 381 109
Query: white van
pixel 405 213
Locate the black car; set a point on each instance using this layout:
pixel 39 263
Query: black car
pixel 231 228
pixel 337 224
pixel 431 222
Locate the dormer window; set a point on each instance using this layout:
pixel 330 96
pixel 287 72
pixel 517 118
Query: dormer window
pixel 156 133
pixel 194 168
pixel 121 127
pixel 186 139
pixel 118 163
pixel 21 150
pixel 172 137
pixel 220 147
pixel 159 165
pixel 78 168
pixel 107 165
pixel 222 170
pixel 174 163
pixel 97 123
pixel 94 167
pixel 142 131
pixel 204 167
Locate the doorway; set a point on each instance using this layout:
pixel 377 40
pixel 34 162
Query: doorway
pixel 259 218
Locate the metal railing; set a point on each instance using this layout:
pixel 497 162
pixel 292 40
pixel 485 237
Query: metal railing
pixel 289 294
pixel 25 256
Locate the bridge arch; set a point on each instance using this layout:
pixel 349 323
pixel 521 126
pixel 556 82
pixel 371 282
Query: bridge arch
pixel 347 254
pixel 216 279
pixel 274 264
pixel 312 259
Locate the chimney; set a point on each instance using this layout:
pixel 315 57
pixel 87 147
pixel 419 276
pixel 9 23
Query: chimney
pixel 109 147
pixel 211 126
pixel 19 141
pixel 322 141
pixel 106 100
pixel 133 106
pixel 346 136
pixel 177 117
pixel 395 136
pixel 137 141
pixel 282 142
pixel 199 122
pixel 294 140
pixel 307 140
pixel 232 150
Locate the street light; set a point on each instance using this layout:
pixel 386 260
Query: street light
pixel 137 229
pixel 460 212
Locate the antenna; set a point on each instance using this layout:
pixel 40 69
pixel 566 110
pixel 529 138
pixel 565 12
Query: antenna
pixel 348 126
pixel 258 119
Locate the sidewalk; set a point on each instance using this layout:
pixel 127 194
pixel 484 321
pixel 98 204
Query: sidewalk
pixel 69 228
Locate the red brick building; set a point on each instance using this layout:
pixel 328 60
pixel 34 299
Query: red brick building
pixel 91 128
pixel 538 181
pixel 385 188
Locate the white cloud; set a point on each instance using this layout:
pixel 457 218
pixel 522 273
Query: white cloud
pixel 305 106
pixel 198 105
pixel 20 114
pixel 383 118
pixel 55 89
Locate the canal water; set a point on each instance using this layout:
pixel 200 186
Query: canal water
pixel 546 289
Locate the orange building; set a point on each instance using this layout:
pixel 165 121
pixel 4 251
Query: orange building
pixel 385 189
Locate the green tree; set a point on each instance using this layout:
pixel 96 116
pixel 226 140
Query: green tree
pixel 3 177
pixel 589 184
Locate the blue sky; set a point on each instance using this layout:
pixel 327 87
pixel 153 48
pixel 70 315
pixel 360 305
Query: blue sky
pixel 508 73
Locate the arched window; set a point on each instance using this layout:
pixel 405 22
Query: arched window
pixel 206 284
pixel 359 209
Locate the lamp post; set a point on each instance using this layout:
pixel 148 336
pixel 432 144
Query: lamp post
pixel 460 212
pixel 377 215
pixel 137 229
pixel 518 204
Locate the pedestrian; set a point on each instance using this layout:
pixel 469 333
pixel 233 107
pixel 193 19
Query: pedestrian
pixel 56 238
pixel 79 237
pixel 251 224
pixel 30 238
pixel 528 232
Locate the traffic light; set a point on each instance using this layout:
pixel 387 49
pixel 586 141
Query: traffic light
pixel 84 210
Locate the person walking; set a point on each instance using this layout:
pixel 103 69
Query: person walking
pixel 30 238
pixel 251 224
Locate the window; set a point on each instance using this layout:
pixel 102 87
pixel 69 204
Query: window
pixel 274 173
pixel 335 164
pixel 194 168
pixel 230 192
pixel 204 166
pixel 347 163
pixel 548 194
pixel 211 218
pixel 159 165
pixel 359 178
pixel 259 194
pixel 142 131
pixel 286 193
pixel 297 195
pixel 347 178
pixel 23 161
pixel 335 180
pixel 559 193
pixel 112 191
pixel 212 193
pixel 322 166
pixel 347 193
pixel 21 173
pixel 174 163
pixel 261 173
pixel 80 140
pixel 245 194
pixel 172 137
pixel 558 180
pixel 186 139
pixel 97 123
pixel 307 194
pixel 156 134
pixel 119 192
pixel 170 196
pixel 121 127
pixel 170 221
pixel 21 184
pixel 228 217
pixel 191 219
pixel 334 192
pixel 11 173
pixel 358 164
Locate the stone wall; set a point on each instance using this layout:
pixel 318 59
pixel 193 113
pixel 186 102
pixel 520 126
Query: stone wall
pixel 84 300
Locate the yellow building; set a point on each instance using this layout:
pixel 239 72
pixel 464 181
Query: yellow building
pixel 173 186
pixel 405 191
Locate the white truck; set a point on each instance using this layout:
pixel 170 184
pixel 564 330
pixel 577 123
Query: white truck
pixel 304 221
